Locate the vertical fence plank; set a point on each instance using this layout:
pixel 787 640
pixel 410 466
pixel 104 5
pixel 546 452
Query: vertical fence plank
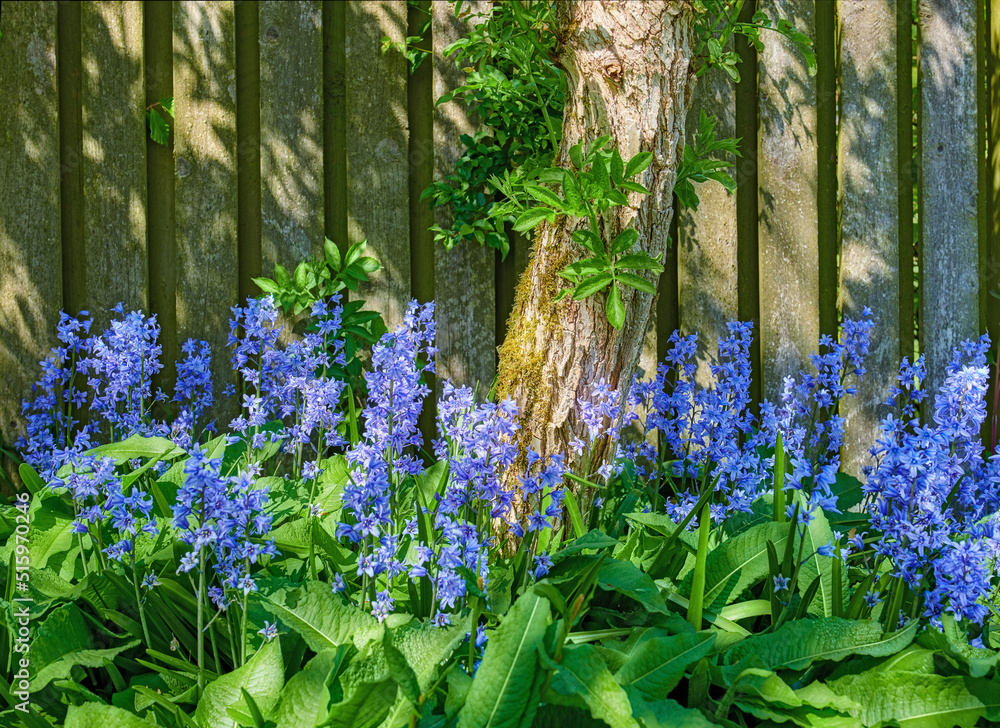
pixel 206 185
pixel 992 241
pixel 707 249
pixel 334 123
pixel 747 212
pixel 869 155
pixel 30 252
pixel 949 296
pixel 789 253
pixel 377 147
pixel 464 277
pixel 248 187
pixel 291 132
pixel 160 239
pixel 905 171
pixel 114 157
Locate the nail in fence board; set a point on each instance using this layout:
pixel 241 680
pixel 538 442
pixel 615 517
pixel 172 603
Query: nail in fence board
pixel 868 159
pixel 465 309
pixel 30 249
pixel 789 253
pixel 377 148
pixel 114 158
pixel 205 188
pixel 707 264
pixel 949 228
pixel 291 132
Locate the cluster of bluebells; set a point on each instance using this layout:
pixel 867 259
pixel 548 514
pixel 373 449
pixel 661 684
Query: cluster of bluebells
pixel 807 417
pixel 223 518
pixel 932 495
pixel 705 431
pixel 192 393
pixel 387 451
pixel 475 439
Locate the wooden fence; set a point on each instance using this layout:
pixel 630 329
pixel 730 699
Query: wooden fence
pixel 291 124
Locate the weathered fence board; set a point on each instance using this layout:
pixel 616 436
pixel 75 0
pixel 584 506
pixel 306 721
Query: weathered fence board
pixel 789 254
pixel 868 158
pixel 114 152
pixel 206 178
pixel 377 148
pixel 949 283
pixel 707 249
pixel 464 278
pixel 291 132
pixel 30 251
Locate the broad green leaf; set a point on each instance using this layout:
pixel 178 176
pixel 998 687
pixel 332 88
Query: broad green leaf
pixel 658 664
pixel 638 163
pixel 625 578
pixel 89 715
pixel 368 689
pixel 637 282
pixel 591 540
pixel 31 479
pixel 614 308
pixel 332 253
pixel 262 676
pixel 423 648
pixel 796 645
pixel 639 261
pixel 532 218
pixel 950 640
pixel 304 700
pixel 817 534
pixel 500 693
pixel 62 668
pixel 266 285
pixel 581 674
pixel 666 714
pixel 138 446
pixel 589 240
pixel 625 240
pixel 321 617
pixel 591 286
pixel 635 187
pixel 738 563
pixel 917 700
pixel 544 195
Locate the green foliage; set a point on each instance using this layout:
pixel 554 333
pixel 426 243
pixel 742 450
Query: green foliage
pixel 158 117
pixel 698 166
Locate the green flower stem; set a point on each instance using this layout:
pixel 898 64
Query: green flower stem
pixel 201 620
pixel 696 606
pixel 779 481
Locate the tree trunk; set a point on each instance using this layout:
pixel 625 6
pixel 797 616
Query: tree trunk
pixel 629 75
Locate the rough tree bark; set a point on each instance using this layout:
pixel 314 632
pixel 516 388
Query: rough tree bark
pixel 629 75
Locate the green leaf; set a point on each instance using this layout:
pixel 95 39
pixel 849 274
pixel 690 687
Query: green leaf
pixel 582 674
pixel 168 105
pixel 304 700
pixel 332 253
pixel 638 163
pixel 918 700
pixel 639 261
pixel 544 196
pixel 89 715
pixel 637 282
pixel 267 285
pixel 658 664
pixel 591 540
pixel 737 564
pixel 262 677
pixel 530 219
pixel 818 534
pixel 796 645
pixel 950 640
pixel 617 167
pixel 634 187
pixel 666 714
pixel 321 617
pixel 368 690
pixel 138 446
pixel 576 155
pixel 624 241
pixel 423 649
pixel 591 286
pixel 500 693
pixel 159 129
pixel 589 240
pixel 31 479
pixel 614 308
pixel 625 578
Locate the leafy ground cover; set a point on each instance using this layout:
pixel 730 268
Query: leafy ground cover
pixel 314 562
